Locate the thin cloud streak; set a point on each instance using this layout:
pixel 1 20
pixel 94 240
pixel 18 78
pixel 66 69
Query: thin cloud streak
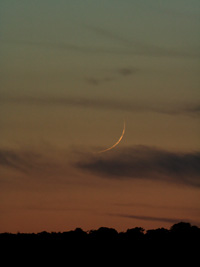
pixel 22 161
pixel 150 218
pixel 62 46
pixel 109 104
pixel 29 161
pixel 113 76
pixel 153 206
pixel 99 81
pixel 110 35
pixel 143 49
pixel 129 48
pixel 127 71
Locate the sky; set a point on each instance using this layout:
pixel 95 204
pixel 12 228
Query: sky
pixel 72 72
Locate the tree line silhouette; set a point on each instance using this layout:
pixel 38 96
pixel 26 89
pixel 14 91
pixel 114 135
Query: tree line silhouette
pixel 180 241
pixel 180 232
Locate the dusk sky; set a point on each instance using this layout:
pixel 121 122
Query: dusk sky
pixel 72 72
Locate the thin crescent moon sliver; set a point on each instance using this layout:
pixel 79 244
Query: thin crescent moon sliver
pixel 122 135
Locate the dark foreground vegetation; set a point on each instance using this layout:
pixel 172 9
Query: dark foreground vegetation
pixel 181 241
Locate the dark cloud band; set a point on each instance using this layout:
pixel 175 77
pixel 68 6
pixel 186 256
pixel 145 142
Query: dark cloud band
pixel 141 162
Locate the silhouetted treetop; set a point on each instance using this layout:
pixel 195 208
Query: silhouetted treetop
pixel 180 231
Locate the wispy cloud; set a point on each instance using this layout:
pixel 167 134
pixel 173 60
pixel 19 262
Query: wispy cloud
pixel 123 46
pixel 157 206
pixel 63 46
pixel 112 75
pixel 128 71
pixel 151 218
pixel 142 48
pixel 146 163
pixel 37 167
pixel 20 160
pixel 137 162
pixel 102 103
pixel 102 32
pixel 99 81
pixel 32 161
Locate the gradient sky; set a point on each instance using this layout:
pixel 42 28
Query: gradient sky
pixel 71 72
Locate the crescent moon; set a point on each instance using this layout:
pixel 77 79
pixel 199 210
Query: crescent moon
pixel 122 135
